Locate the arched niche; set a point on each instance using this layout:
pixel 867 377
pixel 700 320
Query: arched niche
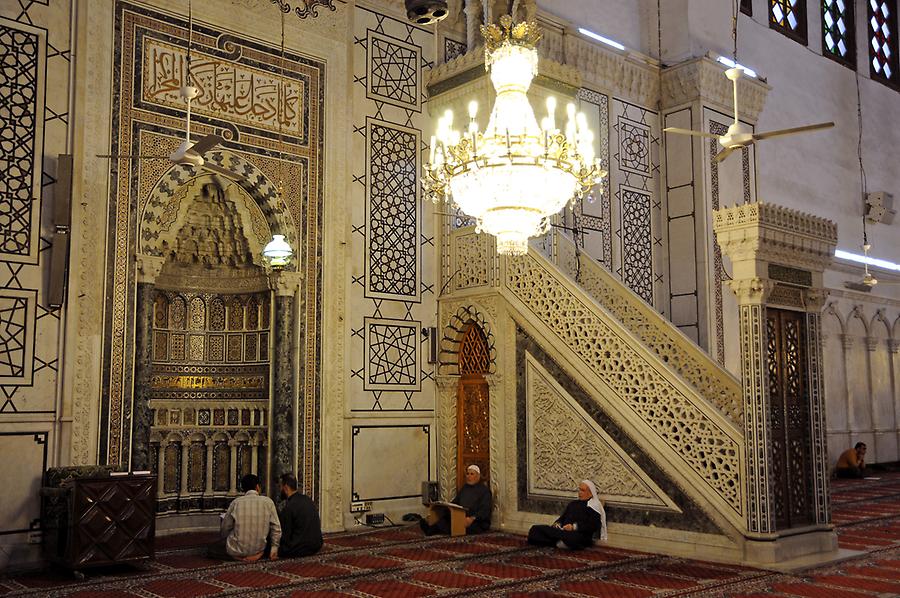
pixel 260 209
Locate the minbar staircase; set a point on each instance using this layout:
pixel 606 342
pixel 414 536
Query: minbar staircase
pixel 677 404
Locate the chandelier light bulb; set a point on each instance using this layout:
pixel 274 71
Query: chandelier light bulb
pixel 514 175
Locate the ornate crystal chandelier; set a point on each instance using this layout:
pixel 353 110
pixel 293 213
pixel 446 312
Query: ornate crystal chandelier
pixel 515 175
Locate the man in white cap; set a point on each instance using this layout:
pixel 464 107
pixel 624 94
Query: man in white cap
pixel 476 498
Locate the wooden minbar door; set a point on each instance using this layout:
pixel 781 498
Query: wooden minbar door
pixel 792 464
pixel 473 406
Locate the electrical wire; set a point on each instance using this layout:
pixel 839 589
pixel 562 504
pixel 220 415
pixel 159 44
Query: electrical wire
pixel 863 185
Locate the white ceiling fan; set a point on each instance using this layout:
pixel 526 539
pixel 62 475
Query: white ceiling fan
pixel 739 134
pixel 188 153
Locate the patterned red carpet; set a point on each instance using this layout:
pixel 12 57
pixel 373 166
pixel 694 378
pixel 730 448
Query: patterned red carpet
pixel 401 562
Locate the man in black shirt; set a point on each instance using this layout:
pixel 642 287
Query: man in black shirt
pixel 301 529
pixel 476 498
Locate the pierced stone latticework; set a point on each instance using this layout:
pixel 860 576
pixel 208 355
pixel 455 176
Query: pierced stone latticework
pixel 679 352
pixel 713 450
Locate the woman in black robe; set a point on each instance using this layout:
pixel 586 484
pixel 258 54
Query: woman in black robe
pixel 576 527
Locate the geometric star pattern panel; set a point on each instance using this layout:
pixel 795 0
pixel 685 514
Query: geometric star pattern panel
pixel 393 212
pixel 636 207
pixel 590 220
pixel 22 54
pixel 17 309
pixel 34 54
pixel 391 294
pixel 392 362
pixel 394 71
pixel 637 252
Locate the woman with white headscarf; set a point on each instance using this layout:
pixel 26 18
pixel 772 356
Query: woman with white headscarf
pixel 576 527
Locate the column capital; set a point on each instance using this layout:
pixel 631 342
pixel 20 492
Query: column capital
pixel 751 291
pixel 285 283
pixel 148 267
pixel 446 383
pixel 893 345
pixel 872 343
pixel 815 299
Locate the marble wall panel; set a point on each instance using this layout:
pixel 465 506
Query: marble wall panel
pixel 390 461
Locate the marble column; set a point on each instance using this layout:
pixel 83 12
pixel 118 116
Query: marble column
pixel 148 268
pixel 284 435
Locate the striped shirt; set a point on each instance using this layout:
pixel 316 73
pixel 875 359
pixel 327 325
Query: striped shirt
pixel 249 520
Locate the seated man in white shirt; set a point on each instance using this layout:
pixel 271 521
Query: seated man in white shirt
pixel 249 526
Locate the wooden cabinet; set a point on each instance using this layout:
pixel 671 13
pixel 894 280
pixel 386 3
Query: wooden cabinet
pixel 95 521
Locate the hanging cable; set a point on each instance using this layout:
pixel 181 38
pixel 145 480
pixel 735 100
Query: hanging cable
pixel 735 11
pixel 863 186
pixel 282 103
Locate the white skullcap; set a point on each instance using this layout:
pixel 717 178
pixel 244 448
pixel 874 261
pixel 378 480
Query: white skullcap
pixel 474 468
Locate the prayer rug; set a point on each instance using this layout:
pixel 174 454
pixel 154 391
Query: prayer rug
pixel 396 562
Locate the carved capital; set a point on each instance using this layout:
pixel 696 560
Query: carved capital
pixel 285 283
pixel 446 383
pixel 751 290
pixel 495 381
pixel 703 80
pixel 815 299
pixel 148 267
pixel 871 343
pixel 846 341
pixel 894 346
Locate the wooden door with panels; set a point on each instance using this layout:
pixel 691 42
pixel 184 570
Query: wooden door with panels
pixel 473 406
pixel 789 410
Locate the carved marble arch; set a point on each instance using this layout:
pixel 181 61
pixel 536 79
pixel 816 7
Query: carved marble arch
pixel 469 331
pixel 261 212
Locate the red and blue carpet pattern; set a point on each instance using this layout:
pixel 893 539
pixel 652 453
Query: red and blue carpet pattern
pixel 401 562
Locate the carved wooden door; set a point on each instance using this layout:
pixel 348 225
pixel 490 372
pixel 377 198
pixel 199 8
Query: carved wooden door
pixel 473 406
pixel 473 427
pixel 789 411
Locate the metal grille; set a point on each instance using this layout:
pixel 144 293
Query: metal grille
pixel 883 39
pixel 838 41
pixel 789 17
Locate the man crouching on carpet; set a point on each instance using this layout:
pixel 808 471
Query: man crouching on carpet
pixel 476 498
pixel 249 526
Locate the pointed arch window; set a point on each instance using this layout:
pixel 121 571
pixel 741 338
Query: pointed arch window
pixel 789 17
pixel 838 39
pixel 882 33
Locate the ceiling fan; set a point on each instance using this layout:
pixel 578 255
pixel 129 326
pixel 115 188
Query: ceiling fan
pixel 868 281
pixel 188 153
pixel 739 134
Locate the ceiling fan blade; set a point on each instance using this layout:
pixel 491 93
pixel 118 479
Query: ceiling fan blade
pixel 223 171
pixel 803 129
pixel 131 157
pixel 206 143
pixel 724 153
pixel 689 132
